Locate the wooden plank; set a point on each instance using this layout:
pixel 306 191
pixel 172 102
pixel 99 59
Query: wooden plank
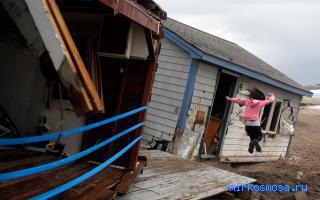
pixel 204 87
pixel 208 68
pixel 237 159
pixel 247 154
pixel 129 178
pixel 97 187
pixel 171 73
pixel 159 127
pixel 205 80
pixel 152 132
pixel 25 163
pixel 75 55
pixel 169 87
pixel 144 102
pixel 168 45
pixel 163 114
pixel 175 53
pixel 134 12
pixel 43 182
pixel 170 177
pixel 165 107
pixel 167 136
pixel 171 80
pixel 174 66
pixel 203 94
pixel 183 61
pixel 245 141
pixel 166 100
pixel 60 56
pixel 161 120
pixel 244 147
pixel 148 35
pixel 166 93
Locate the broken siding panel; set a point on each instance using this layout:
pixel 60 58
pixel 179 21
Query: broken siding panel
pixel 167 93
pixel 201 101
pixel 201 98
pixel 235 146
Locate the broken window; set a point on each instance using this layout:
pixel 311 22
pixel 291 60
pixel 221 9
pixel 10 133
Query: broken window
pixel 270 116
pixel 275 116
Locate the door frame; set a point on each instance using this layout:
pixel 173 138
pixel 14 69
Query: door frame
pixel 229 108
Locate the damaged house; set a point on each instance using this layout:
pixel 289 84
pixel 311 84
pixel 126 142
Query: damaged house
pixel 188 114
pixel 65 65
pixel 76 76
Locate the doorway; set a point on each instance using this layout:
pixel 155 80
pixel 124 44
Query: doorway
pixel 219 115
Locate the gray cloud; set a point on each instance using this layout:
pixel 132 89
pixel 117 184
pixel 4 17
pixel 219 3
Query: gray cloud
pixel 283 33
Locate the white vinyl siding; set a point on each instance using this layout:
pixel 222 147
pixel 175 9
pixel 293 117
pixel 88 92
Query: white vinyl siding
pixel 167 93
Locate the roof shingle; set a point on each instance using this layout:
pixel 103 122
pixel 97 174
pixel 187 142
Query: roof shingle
pixel 227 50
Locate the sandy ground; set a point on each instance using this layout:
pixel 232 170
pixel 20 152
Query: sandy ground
pixel 302 165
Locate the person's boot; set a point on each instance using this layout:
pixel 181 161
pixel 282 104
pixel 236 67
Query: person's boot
pixel 251 146
pixel 257 145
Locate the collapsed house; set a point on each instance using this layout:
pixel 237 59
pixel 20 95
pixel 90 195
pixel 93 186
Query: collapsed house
pixel 67 64
pixel 188 113
pixel 75 77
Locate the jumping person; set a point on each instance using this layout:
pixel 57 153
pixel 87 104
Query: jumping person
pixel 251 115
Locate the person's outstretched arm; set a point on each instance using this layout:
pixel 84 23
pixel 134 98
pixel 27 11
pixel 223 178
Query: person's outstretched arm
pixel 237 100
pixel 268 100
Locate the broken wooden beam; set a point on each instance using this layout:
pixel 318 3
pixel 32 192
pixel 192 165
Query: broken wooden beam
pixel 129 178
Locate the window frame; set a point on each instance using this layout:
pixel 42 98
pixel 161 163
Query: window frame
pixel 271 116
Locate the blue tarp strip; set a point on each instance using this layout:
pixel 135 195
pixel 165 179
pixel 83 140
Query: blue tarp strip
pixel 38 169
pixel 85 176
pixel 53 136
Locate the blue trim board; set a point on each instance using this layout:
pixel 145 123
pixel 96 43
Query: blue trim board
pixel 197 53
pixel 82 178
pixel 41 168
pixel 194 52
pixel 188 94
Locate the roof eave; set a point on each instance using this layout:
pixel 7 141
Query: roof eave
pixel 199 54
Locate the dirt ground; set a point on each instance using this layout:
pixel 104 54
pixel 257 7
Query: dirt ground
pixel 303 163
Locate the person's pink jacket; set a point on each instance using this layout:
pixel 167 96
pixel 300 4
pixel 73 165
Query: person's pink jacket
pixel 253 107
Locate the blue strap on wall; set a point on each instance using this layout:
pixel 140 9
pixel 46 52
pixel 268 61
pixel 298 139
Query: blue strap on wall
pixel 41 168
pixel 85 176
pixel 53 136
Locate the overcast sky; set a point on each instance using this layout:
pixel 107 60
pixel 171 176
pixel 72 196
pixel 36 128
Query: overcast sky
pixel 284 33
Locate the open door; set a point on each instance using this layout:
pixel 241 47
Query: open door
pixel 220 113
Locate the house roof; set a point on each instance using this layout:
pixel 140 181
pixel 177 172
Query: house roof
pixel 246 62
